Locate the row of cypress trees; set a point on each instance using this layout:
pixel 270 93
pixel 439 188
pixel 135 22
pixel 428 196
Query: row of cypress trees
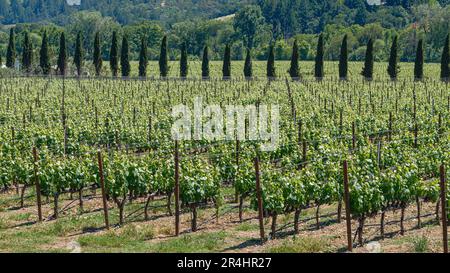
pixel 393 67
pixel 44 57
pixel 125 68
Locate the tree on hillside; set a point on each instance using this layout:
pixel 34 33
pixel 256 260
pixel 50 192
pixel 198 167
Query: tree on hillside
pixel 226 69
pixel 393 68
pixel 11 51
pixel 79 54
pixel 248 66
pixel 318 69
pixel 124 58
pixel 44 58
pixel 343 59
pixel 271 73
pixel 205 63
pixel 27 54
pixel 418 65
pixel 445 71
pixel 97 56
pixel 62 55
pixel 143 59
pixel 163 59
pixel 184 62
pixel 114 55
pixel 294 70
pixel 367 71
pixel 248 22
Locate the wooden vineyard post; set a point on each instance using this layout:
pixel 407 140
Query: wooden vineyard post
pixel 260 204
pixel 37 184
pixel 300 133
pixel 439 127
pixel 177 191
pixel 301 143
pixel 444 209
pixel 390 127
pixel 305 153
pixel 65 139
pixel 416 131
pixel 96 117
pixel 347 208
pixel 236 197
pixel 353 136
pixel 150 130
pixel 102 185
pixel 379 155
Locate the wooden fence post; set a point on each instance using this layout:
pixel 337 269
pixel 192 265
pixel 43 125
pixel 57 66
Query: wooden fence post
pixel 37 184
pixel 260 203
pixel 102 185
pixel 444 209
pixel 347 208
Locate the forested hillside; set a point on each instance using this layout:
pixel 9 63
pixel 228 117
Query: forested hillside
pixel 243 24
pixel 124 11
pixel 286 16
pixel 20 11
pixel 311 16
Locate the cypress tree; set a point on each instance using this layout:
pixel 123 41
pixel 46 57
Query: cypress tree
pixel 11 51
pixel 248 66
pixel 294 70
pixel 27 53
pixel 62 55
pixel 183 62
pixel 44 59
pixel 205 63
pixel 30 56
pixel 124 58
pixel 97 56
pixel 143 59
pixel 367 71
pixel 114 55
pixel 445 71
pixel 226 69
pixel 163 59
pixel 25 46
pixel 78 57
pixel 318 69
pixel 418 65
pixel 393 60
pixel 343 60
pixel 271 74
